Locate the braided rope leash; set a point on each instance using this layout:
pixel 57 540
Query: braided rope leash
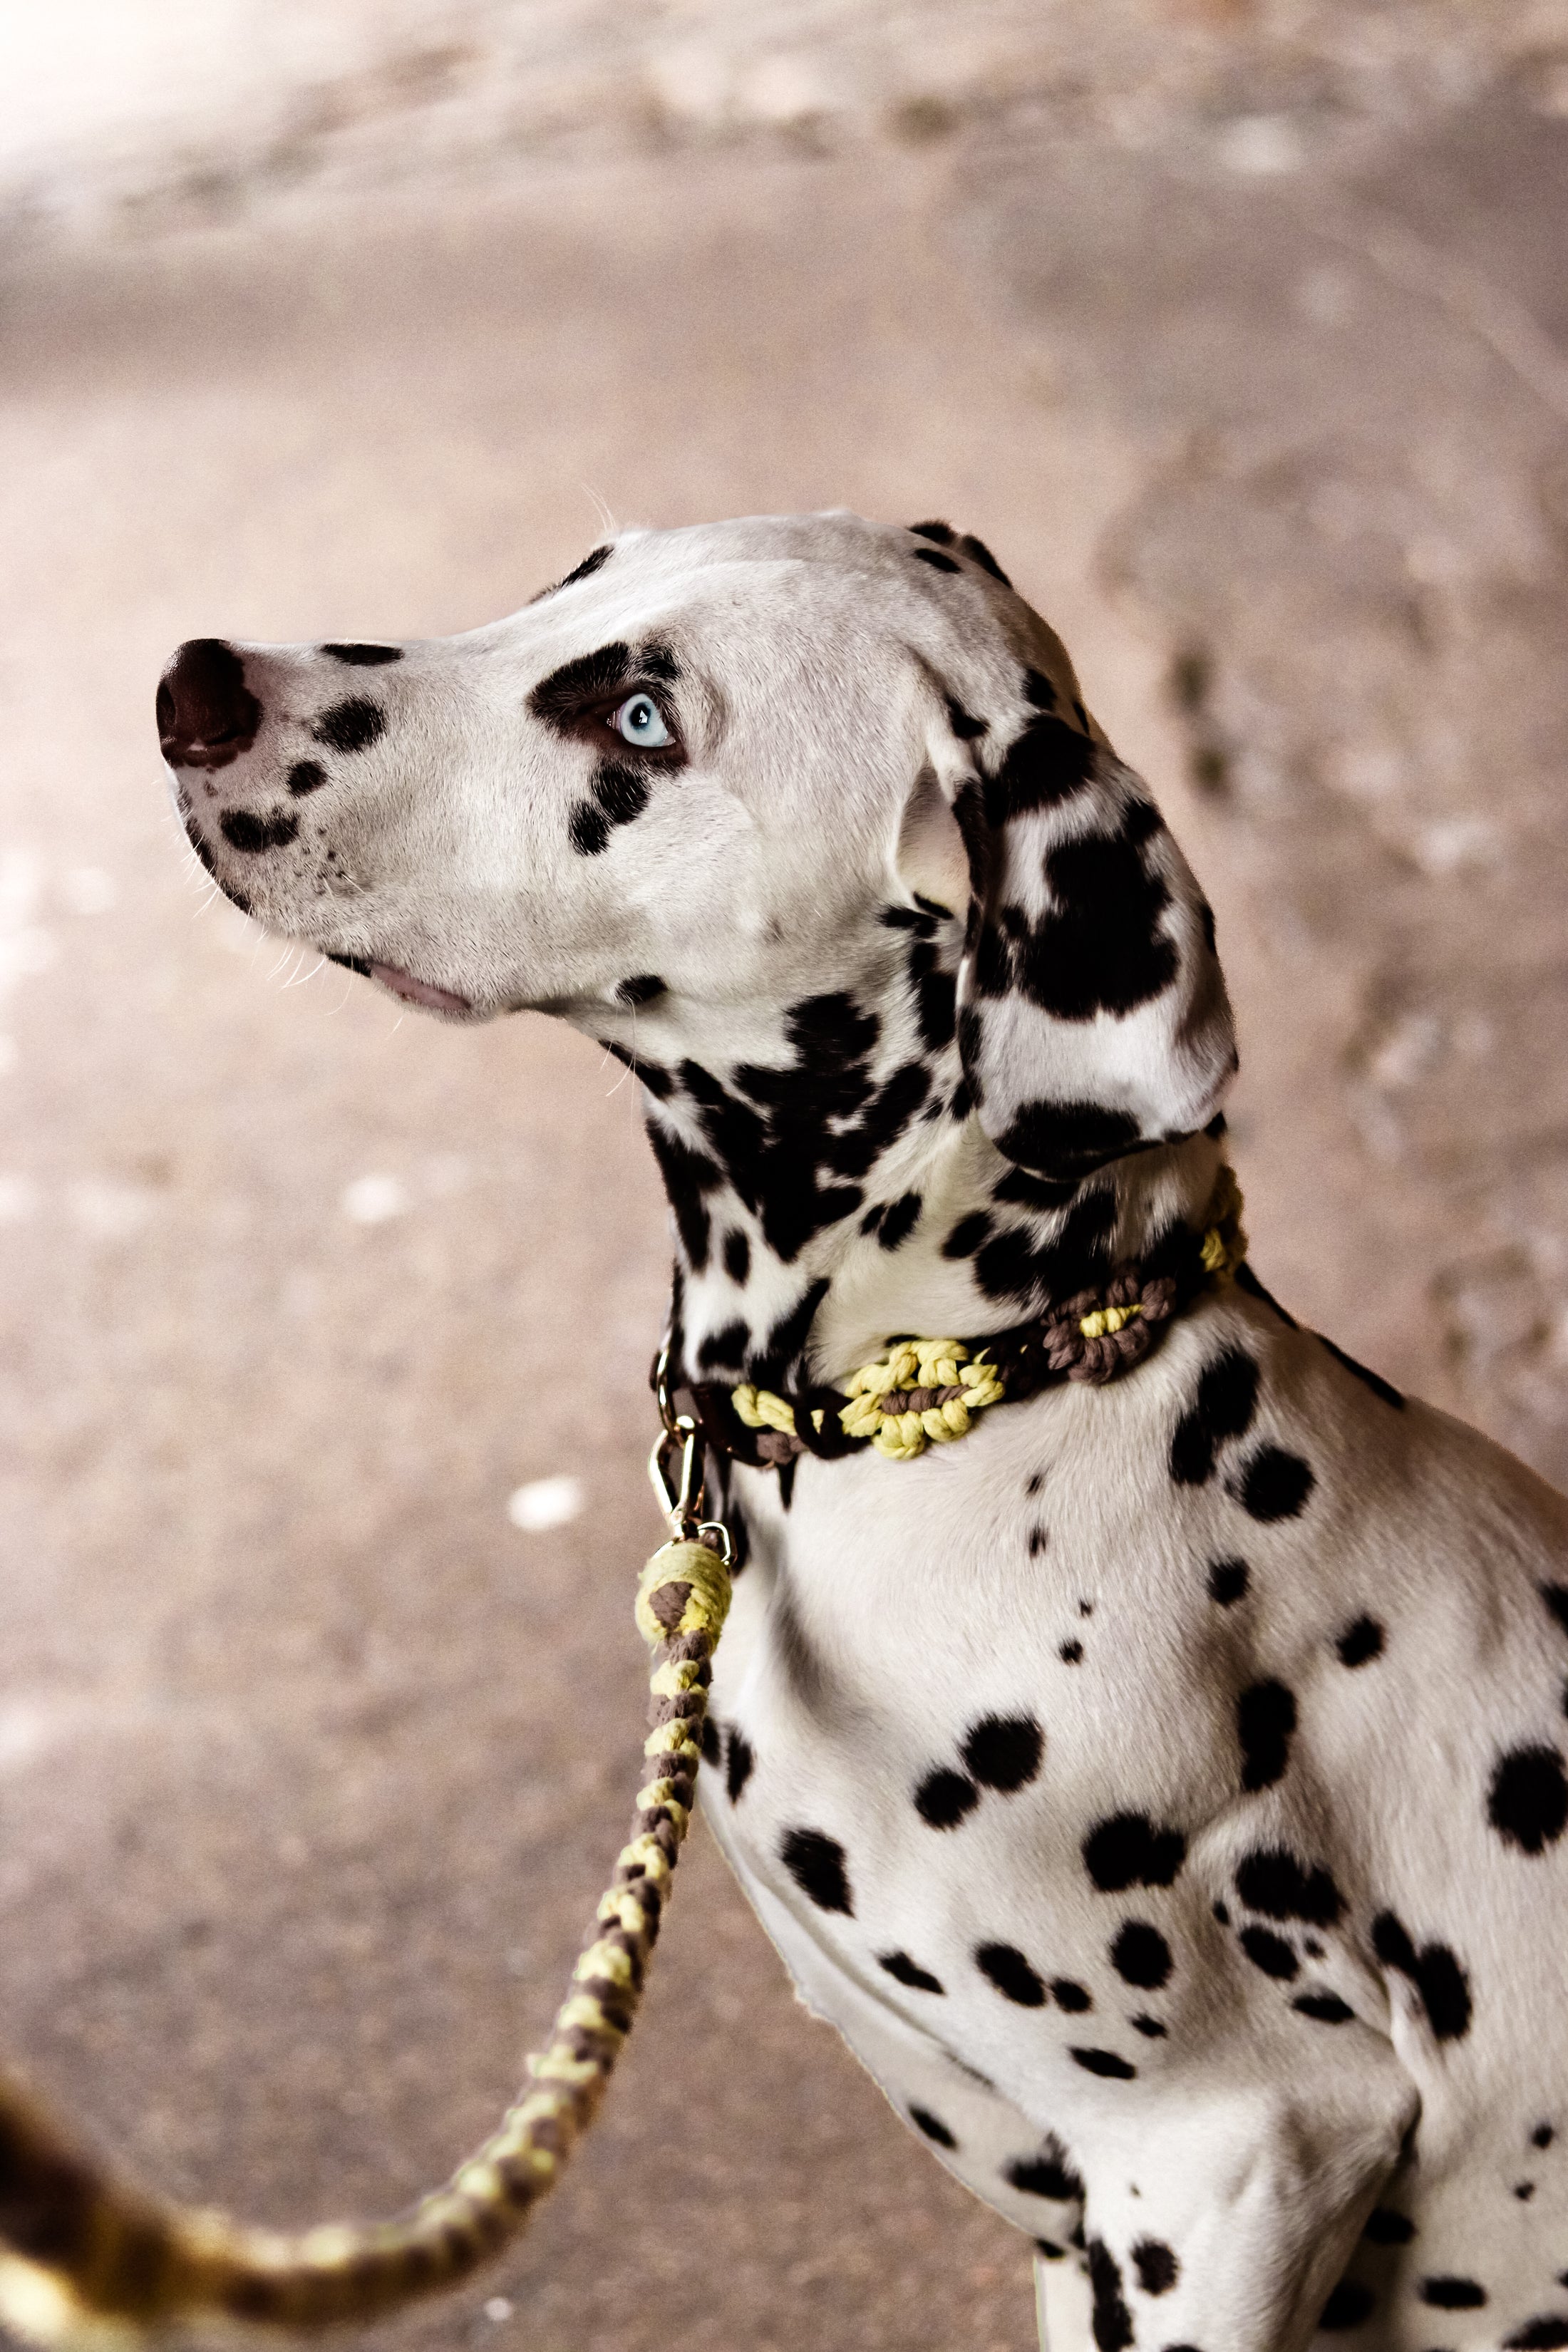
pixel 926 1392
pixel 88 2264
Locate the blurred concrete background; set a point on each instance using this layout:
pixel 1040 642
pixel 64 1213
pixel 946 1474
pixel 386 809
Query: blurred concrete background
pixel 1240 331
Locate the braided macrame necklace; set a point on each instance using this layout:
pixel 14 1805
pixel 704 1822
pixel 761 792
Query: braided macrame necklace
pixel 925 1392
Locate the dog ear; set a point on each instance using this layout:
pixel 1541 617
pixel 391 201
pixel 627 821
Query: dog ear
pixel 1093 1019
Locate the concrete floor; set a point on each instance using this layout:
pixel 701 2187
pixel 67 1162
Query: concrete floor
pixel 311 1762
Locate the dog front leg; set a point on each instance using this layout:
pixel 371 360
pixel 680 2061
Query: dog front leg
pixel 1062 2303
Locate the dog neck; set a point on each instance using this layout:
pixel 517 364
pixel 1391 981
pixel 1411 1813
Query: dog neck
pixel 832 1186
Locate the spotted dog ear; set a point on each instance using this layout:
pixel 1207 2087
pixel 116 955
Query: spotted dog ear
pixel 967 544
pixel 1093 1018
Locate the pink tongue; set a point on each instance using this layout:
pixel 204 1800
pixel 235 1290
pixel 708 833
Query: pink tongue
pixel 418 991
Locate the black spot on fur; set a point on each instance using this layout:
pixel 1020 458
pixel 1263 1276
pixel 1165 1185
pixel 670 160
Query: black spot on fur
pixel 785 1343
pixel 1048 2174
pixel 1226 1403
pixel 657 1081
pixel 1052 2252
pixel 944 1798
pixel 1384 2227
pixel 964 723
pixel 1349 2305
pixel 1228 1580
pixel 1548 2333
pixel 938 561
pixel 778 1132
pixel 978 552
pixel 1542 2136
pixel 1069 1138
pixel 1004 1751
pixel 712 1740
pixel 641 989
pixel 1433 1970
pixel 933 2128
pixel 351 726
pixel 1271 1880
pixel 1013 1266
pixel 1048 762
pixel 899 1221
pixel 1452 2294
pixel 739 1759
pixel 1140 1956
pixel 906 1972
pixel 1528 1801
pixel 1071 1653
pixel 1102 951
pixel 688 1176
pixel 592 678
pixel 1556 1599
pixel 243 830
pixel 1111 2321
pixel 1323 2008
pixel 815 1863
pixel 305 776
pixel 1070 1996
pixel 1270 1953
pixel 935 993
pixel 724 1348
pixel 1151 2026
pixel 1128 1850
pixel 1524 2190
pixel 620 791
pixel 967 1234
pixel 588 829
pixel 364 656
pixel 1104 2063
pixel 1273 1485
pixel 1360 1642
pixel 737 1256
pixel 1156 2265
pixel 593 561
pixel 1265 1719
pixel 1009 1971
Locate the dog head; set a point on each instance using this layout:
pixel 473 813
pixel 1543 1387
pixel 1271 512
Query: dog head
pixel 706 772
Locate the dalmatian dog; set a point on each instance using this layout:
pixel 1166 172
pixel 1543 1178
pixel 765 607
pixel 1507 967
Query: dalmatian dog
pixel 1160 1788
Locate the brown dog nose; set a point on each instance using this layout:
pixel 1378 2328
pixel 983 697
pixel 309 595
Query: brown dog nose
pixel 206 714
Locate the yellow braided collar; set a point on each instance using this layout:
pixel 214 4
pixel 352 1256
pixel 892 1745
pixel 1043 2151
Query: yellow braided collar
pixel 925 1391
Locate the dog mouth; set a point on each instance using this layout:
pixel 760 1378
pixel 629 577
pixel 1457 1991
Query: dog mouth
pixel 415 991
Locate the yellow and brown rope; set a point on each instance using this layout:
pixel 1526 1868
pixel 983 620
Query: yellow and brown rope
pixel 86 2263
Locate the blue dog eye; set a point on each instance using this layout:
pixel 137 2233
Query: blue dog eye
pixel 637 721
